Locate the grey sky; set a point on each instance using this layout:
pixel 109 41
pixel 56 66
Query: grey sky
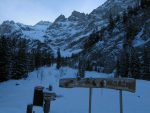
pixel 32 11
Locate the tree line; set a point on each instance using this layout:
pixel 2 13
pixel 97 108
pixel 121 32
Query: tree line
pixel 19 56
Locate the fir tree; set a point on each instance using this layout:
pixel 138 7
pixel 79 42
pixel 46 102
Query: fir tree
pixel 88 66
pixel 21 60
pixel 125 17
pixel 124 64
pixel 146 65
pixel 111 24
pixel 118 73
pixel 3 59
pixel 135 65
pixel 81 69
pixel 58 59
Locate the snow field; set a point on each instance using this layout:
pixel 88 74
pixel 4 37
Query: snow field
pixel 14 98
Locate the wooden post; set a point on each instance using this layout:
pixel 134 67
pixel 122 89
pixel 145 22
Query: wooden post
pixel 90 100
pixel 47 106
pixel 29 108
pixel 50 88
pixel 38 96
pixel 121 103
pixel 48 97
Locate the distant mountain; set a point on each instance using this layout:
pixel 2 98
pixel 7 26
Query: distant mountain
pixel 25 31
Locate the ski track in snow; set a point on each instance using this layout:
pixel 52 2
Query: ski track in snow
pixel 14 98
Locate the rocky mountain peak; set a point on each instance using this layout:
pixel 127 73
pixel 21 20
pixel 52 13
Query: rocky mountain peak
pixel 8 27
pixel 7 22
pixel 60 18
pixel 77 16
pixel 43 23
pixel 112 6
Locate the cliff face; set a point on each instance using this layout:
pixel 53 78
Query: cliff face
pixel 110 43
pixel 70 33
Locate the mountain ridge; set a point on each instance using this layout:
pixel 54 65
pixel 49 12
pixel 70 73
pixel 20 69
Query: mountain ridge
pixel 74 28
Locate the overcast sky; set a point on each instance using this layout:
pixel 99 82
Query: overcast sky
pixel 32 11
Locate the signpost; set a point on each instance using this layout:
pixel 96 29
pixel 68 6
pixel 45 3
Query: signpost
pixel 121 103
pixel 120 84
pixel 90 100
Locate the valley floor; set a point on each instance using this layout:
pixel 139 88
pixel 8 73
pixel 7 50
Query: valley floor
pixel 16 94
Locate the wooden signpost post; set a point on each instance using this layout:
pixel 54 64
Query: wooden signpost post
pixel 121 103
pixel 125 84
pixel 48 97
pixel 90 100
pixel 29 108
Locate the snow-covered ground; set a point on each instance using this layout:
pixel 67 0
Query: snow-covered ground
pixel 14 98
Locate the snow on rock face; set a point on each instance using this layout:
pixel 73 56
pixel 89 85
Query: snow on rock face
pixel 8 27
pixel 114 6
pixel 65 30
pixel 72 29
pixel 30 32
pixel 37 31
pixel 107 49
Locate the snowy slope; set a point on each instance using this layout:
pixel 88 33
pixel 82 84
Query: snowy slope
pixel 25 31
pixel 37 32
pixel 14 98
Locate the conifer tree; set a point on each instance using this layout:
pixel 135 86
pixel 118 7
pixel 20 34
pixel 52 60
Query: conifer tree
pixel 58 65
pixel 123 69
pixel 89 66
pixel 111 24
pixel 3 59
pixel 146 65
pixel 117 74
pixel 21 60
pixel 81 69
pixel 135 65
